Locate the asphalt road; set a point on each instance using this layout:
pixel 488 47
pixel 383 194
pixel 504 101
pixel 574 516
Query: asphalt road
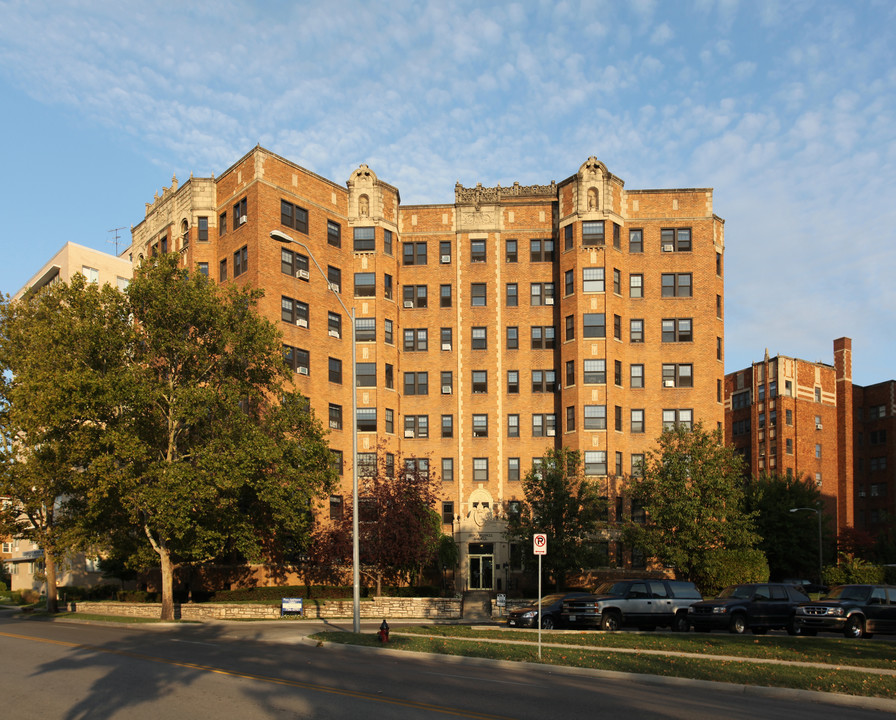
pixel 72 671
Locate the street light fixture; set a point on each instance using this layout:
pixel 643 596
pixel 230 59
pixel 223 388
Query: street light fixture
pixel 817 512
pixel 282 237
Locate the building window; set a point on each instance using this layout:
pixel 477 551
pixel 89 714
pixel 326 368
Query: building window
pixel 510 251
pixel 593 232
pixel 365 284
pixel 447 426
pixel 636 330
pixel 335 507
pixel 594 325
pixel 676 285
pixel 416 383
pixel 335 370
pixel 636 376
pixel 293 216
pixel 202 231
pixel 818 450
pixel 241 261
pixel 544 381
pixel 788 446
pixel 414 296
pixel 636 240
pixel 680 375
pixel 544 425
pixel 364 239
pixel 477 294
pixel 294 312
pixel 676 239
pixel 617 282
pixel 297 359
pixel 541 294
pixel 570 372
pixel 416 426
pixel 677 330
pixel 480 425
pixel 222 270
pixel 447 469
pixel 447 381
pixel 513 469
pixel 335 415
pixel 595 372
pixel 636 285
pixel 222 224
pixel 595 462
pixel 294 264
pixel 336 461
pixel 240 214
pixel 366 374
pixel 413 253
pixel 445 296
pixel 334 234
pixel 637 464
pixel 513 426
pixel 571 418
pixel 334 324
pixel 570 327
pixel 387 242
pixel 446 335
pixel 595 417
pixel 445 252
pixel 387 332
pixel 203 268
pixel 541 250
pixel 678 418
pixel 617 418
pixel 617 327
pixel 569 282
pixel 513 382
pixel 478 337
pixel 513 337
pixel 477 251
pixel 390 420
pixel 543 337
pixel 567 237
pixel 416 339
pixel 593 279
pixel 366 464
pixel 637 416
pixel 617 373
pixel 511 298
pixel 480 381
pixel 480 469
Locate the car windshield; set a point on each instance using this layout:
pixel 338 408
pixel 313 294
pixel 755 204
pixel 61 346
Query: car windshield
pixel 618 588
pixel 859 593
pixel 742 592
pixel 551 599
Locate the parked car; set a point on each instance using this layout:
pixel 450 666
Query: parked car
pixel 646 604
pixel 551 607
pixel 855 610
pixel 759 607
pixel 807 585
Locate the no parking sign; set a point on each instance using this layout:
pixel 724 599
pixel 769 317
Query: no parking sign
pixel 540 544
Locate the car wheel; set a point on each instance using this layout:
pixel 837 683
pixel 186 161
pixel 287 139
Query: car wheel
pixel 547 622
pixel 680 623
pixel 793 629
pixel 854 628
pixel 610 621
pixel 738 624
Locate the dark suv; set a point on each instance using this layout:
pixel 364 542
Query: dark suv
pixel 759 607
pixel 855 610
pixel 641 603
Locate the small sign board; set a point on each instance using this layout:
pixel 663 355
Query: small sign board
pixel 502 600
pixel 290 606
pixel 540 544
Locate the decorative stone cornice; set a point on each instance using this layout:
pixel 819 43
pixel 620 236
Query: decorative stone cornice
pixel 488 195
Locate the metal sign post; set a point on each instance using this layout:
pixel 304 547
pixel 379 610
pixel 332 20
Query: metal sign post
pixel 539 547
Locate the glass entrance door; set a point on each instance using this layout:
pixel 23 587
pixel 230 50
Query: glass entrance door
pixel 482 572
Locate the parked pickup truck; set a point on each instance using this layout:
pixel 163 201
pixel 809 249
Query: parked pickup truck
pixel 646 604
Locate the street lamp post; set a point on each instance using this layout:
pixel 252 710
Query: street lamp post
pixel 817 512
pixel 282 237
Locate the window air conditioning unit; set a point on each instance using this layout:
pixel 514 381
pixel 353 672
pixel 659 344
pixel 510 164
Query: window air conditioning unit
pixel 303 274
pixel 668 383
pixel 334 425
pixel 446 259
pixel 333 286
pixel 668 247
pixel 818 426
pixel 334 333
pixel 409 433
pixel 302 322
pixel 302 370
pixel 549 301
pixel 551 432
pixel 446 389
pixel 243 219
pixel 409 303
pixel 446 346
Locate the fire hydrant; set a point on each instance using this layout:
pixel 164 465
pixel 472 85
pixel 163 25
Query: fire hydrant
pixel 384 632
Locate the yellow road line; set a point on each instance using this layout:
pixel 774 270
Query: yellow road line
pixel 264 678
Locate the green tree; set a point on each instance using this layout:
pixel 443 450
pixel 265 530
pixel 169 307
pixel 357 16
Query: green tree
pixel 568 508
pixel 58 364
pixel 399 533
pixel 789 540
pixel 692 490
pixel 212 452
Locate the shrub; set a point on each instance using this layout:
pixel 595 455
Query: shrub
pixel 851 569
pixel 3 587
pixel 730 567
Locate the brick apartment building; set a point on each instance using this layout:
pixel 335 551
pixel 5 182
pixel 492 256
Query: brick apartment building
pixel 513 320
pixel 875 457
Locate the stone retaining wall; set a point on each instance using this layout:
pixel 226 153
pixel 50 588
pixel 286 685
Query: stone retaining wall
pixel 377 608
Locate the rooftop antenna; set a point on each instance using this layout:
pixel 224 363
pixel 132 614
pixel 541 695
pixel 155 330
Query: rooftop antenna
pixel 116 238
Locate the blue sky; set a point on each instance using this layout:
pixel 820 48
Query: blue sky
pixel 786 109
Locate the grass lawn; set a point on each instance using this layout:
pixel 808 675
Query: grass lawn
pixel 584 650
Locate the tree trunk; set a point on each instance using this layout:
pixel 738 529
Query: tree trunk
pixel 167 584
pixel 50 573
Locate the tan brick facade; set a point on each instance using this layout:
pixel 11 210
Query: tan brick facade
pixel 624 285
